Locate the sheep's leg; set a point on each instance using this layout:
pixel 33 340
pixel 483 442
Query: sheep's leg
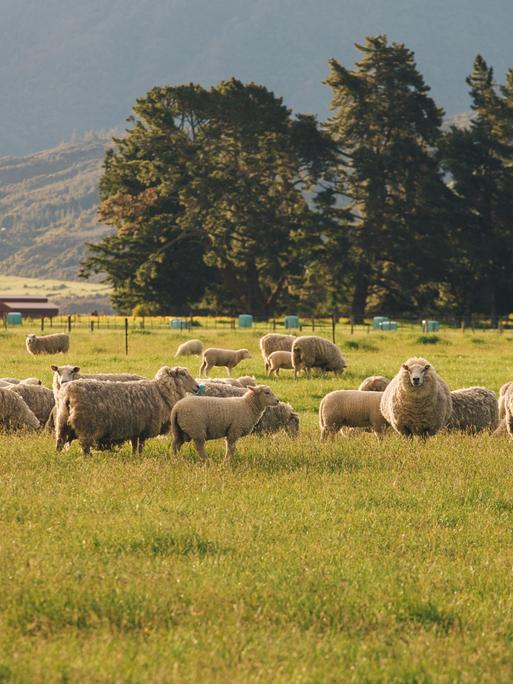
pixel 202 368
pixel 230 448
pixel 178 440
pixel 229 369
pixel 268 369
pixel 141 445
pixel 200 448
pixel 327 432
pixel 135 445
pixel 86 446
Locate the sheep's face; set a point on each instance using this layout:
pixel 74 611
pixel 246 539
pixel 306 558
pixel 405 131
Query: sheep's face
pixel 181 375
pixel 417 373
pixel 245 354
pixel 265 395
pixel 31 338
pixel 65 373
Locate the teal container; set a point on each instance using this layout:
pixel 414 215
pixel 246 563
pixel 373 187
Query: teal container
pixel 388 325
pixel 430 326
pixel 377 321
pixel 14 318
pixel 177 324
pixel 292 322
pixel 245 321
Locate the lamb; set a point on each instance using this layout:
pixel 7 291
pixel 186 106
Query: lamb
pixel 26 381
pixel 40 400
pixel 106 413
pixel 350 408
pixel 204 418
pixel 222 357
pixel 242 381
pixel 278 360
pixel 275 342
pixel 374 383
pixel 316 352
pixel 473 409
pixel 417 401
pixel 14 412
pixel 275 418
pixel 47 344
pixel 191 347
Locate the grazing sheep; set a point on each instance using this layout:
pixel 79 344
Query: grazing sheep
pixel 275 342
pixel 14 413
pixel 190 348
pixel 275 418
pixel 316 352
pixel 246 380
pixel 204 418
pixel 222 357
pixel 417 401
pixel 26 381
pixel 502 392
pixel 473 409
pixel 40 400
pixel 108 413
pixel 350 408
pixel 47 344
pixel 64 374
pixel 277 360
pixel 374 383
pixel 243 381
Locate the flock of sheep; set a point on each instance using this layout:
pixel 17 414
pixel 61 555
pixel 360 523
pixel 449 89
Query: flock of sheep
pixel 103 410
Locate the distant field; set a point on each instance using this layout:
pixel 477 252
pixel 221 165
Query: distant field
pixel 358 560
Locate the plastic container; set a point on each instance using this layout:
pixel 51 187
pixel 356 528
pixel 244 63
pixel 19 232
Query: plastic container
pixel 430 326
pixel 377 321
pixel 388 325
pixel 178 324
pixel 245 321
pixel 14 318
pixel 292 322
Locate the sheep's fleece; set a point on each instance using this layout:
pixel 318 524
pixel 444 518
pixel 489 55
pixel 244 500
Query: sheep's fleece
pixel 14 412
pixel 474 409
pixel 47 344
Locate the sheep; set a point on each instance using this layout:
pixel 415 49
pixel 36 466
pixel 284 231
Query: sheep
pixel 47 344
pixel 350 408
pixel 275 342
pixel 204 418
pixel 191 347
pixel 242 381
pixel 14 412
pixel 277 360
pixel 108 413
pixel 275 418
pixel 40 400
pixel 473 409
pixel 417 401
pixel 502 392
pixel 222 357
pixel 506 424
pixel 374 383
pixel 26 381
pixel 316 352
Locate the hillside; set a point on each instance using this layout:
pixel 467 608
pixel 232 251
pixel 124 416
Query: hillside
pixel 69 65
pixel 48 204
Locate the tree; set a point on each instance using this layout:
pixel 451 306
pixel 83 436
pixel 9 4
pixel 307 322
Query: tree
pixel 386 181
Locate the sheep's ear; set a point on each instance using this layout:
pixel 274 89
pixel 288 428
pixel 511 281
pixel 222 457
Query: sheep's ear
pixel 251 388
pixel 76 369
pixel 55 369
pixel 406 367
pixel 427 367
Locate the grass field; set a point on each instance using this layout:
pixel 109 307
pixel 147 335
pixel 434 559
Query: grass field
pixel 357 561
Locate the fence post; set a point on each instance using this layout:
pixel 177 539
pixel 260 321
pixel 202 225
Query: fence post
pixel 51 321
pixel 274 324
pixel 92 326
pixel 333 327
pixel 42 322
pixel 69 323
pixel 352 325
pixel 126 336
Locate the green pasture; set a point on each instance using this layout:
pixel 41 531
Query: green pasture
pixel 357 560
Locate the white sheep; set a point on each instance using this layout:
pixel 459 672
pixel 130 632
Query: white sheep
pixel 229 358
pixel 312 351
pixel 190 348
pixel 278 360
pixel 502 393
pixel 242 381
pixel 204 418
pixel 350 408
pixel 275 342
pixel 417 401
pixel 14 413
pixel 25 381
pixel 473 409
pixel 47 344
pixel 40 400
pixel 507 421
pixel 104 414
pixel 374 383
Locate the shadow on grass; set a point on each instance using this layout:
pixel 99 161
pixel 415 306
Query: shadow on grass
pixel 158 543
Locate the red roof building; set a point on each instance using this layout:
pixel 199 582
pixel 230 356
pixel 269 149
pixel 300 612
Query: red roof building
pixel 29 307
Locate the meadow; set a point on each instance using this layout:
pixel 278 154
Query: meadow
pixel 357 560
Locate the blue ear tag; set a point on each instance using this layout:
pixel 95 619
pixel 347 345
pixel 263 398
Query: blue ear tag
pixel 200 392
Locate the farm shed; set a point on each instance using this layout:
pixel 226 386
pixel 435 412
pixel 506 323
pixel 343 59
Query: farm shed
pixel 29 307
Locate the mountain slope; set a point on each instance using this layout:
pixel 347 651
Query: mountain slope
pixel 70 65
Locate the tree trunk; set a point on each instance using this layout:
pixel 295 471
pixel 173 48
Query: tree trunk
pixel 360 294
pixel 494 319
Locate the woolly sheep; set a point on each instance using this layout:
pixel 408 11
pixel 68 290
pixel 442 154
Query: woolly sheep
pixel 374 383
pixel 25 381
pixel 473 409
pixel 350 408
pixel 222 357
pixel 204 418
pixel 47 344
pixel 278 360
pixel 40 400
pixel 502 392
pixel 275 418
pixel 191 347
pixel 417 401
pixel 14 412
pixel 243 381
pixel 108 413
pixel 316 352
pixel 507 396
pixel 275 342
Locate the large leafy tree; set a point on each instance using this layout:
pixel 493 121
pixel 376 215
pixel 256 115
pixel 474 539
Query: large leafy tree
pixel 387 184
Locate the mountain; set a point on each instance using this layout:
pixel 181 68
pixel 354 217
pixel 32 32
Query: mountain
pixel 74 65
pixel 48 204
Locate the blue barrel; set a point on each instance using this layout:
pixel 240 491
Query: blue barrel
pixel 14 318
pixel 388 325
pixel 377 321
pixel 177 324
pixel 245 321
pixel 292 322
pixel 430 326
